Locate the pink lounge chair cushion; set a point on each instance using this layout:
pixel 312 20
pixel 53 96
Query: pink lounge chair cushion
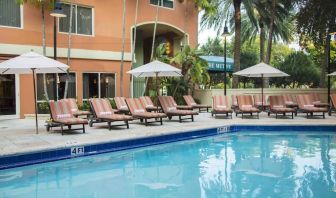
pixel 193 103
pixel 289 102
pixel 316 102
pixel 221 106
pixel 171 109
pixel 278 106
pixel 308 106
pixel 246 106
pixel 123 107
pixel 105 113
pixel 149 105
pixel 139 111
pixel 62 116
pixel 74 109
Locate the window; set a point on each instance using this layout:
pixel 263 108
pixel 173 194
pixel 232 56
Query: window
pixel 98 85
pixel 82 20
pixel 55 87
pixel 10 13
pixel 163 3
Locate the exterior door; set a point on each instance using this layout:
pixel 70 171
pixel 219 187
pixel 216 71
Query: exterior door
pixel 8 96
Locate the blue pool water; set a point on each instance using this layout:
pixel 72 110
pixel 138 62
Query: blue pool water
pixel 242 164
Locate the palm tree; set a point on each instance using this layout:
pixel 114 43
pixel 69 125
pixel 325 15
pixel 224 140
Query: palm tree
pixel 216 20
pixel 41 4
pixel 69 51
pixel 122 50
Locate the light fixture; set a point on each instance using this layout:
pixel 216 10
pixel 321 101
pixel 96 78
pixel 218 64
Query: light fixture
pixel 106 80
pixel 225 32
pixel 58 11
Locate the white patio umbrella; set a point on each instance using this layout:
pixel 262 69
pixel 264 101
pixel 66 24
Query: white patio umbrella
pixel 261 70
pixel 332 74
pixel 32 63
pixel 155 69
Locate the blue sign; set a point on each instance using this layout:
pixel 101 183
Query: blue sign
pixel 216 63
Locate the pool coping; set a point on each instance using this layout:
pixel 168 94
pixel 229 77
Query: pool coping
pixel 80 150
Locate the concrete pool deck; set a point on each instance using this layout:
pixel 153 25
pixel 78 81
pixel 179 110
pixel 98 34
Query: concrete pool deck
pixel 18 136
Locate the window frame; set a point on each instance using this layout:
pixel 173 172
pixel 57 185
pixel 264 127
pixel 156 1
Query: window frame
pixel 99 86
pixel 21 20
pixel 161 6
pixel 75 33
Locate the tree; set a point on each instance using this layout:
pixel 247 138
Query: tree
pixel 315 20
pixel 122 50
pixel 302 71
pixel 42 4
pixel 213 47
pixel 69 50
pixel 215 19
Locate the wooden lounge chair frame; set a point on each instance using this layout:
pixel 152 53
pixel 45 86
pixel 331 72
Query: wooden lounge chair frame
pixel 57 123
pixel 252 108
pixel 133 103
pixel 307 99
pixel 215 110
pixel 279 100
pixel 176 112
pixel 191 102
pixel 96 119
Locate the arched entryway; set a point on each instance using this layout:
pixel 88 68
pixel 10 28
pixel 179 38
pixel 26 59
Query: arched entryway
pixel 165 33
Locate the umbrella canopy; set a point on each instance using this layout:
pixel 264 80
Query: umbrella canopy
pixel 24 64
pixel 155 69
pixel 261 70
pixel 332 74
pixel 32 62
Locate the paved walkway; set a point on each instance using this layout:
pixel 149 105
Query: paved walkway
pixel 18 136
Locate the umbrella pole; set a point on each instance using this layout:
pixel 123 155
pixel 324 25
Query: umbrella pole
pixel 35 104
pixel 157 92
pixel 262 91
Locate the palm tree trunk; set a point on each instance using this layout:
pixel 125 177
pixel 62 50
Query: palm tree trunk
pixel 122 50
pixel 270 40
pixel 69 52
pixel 153 42
pixel 262 41
pixel 270 34
pixel 237 42
pixel 134 39
pixel 44 50
pixel 324 64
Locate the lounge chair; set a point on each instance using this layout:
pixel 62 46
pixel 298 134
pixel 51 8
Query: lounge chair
pixel 191 102
pixel 71 102
pixel 245 104
pixel 61 115
pixel 168 105
pixel 121 105
pixel 103 112
pixel 315 97
pixel 139 111
pixel 260 102
pixel 221 106
pixel 290 100
pixel 306 105
pixel 278 106
pixel 147 102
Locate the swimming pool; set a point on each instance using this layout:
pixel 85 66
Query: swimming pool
pixel 240 164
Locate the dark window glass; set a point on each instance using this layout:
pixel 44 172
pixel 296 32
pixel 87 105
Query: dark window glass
pixel 51 86
pixel 64 21
pixel 90 85
pixel 84 20
pixel 107 85
pixel 71 85
pixel 10 13
pixel 163 3
pixel 7 94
